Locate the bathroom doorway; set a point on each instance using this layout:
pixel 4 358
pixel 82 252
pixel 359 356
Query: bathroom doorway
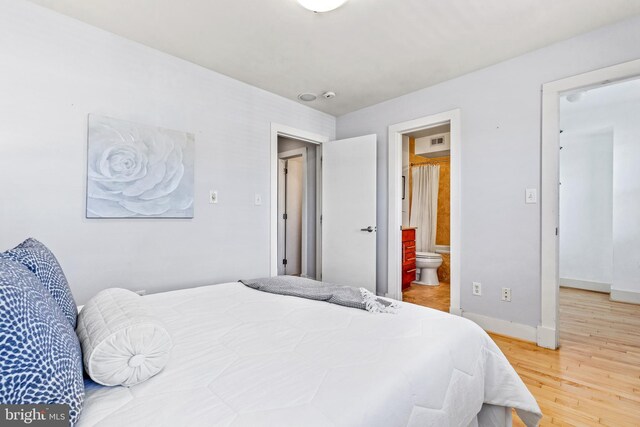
pixel 296 207
pixel 426 222
pixel 424 211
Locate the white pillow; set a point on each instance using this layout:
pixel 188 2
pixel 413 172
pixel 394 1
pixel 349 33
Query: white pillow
pixel 123 343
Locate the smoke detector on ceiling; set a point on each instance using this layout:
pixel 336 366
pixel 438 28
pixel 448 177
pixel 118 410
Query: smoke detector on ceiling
pixel 329 95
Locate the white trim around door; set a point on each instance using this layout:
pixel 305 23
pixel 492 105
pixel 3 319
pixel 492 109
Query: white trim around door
pixel 394 238
pixel 289 132
pixel 547 333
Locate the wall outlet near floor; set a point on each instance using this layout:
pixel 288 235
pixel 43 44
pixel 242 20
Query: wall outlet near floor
pixel 477 288
pixel 213 196
pixel 506 294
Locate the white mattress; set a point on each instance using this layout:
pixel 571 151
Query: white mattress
pixel 242 357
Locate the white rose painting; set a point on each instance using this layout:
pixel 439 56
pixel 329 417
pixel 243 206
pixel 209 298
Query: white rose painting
pixel 138 171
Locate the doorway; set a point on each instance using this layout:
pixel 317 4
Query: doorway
pixel 599 203
pixel 296 204
pixel 444 130
pixel 574 90
pixel 345 207
pixel 295 139
pixel 426 222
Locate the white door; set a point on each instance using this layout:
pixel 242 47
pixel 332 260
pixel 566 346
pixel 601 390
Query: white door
pixel 282 165
pixel 293 252
pixel 349 212
pixel 290 216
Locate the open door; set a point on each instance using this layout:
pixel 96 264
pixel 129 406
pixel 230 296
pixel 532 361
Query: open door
pixel 290 216
pixel 282 208
pixel 349 212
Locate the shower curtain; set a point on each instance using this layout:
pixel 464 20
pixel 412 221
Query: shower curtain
pixel 424 205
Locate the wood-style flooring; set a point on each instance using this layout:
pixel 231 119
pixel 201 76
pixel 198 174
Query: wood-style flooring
pixel 593 379
pixel 437 297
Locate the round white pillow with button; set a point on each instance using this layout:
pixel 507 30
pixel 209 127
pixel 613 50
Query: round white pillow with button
pixel 123 342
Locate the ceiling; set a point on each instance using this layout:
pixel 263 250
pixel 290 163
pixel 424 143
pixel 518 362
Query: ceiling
pixel 602 96
pixel 596 108
pixel 367 51
pixel 430 131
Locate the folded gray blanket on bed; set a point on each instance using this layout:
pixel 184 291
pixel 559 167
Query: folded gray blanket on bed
pixel 300 287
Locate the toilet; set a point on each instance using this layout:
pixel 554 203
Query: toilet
pixel 427 264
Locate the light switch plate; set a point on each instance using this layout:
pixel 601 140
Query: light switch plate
pixel 213 196
pixel 531 195
pixel 258 199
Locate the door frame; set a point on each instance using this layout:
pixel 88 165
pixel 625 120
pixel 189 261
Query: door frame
pixel 292 154
pixel 548 330
pixel 394 236
pixel 302 135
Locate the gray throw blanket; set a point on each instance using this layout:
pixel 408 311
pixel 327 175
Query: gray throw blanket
pixel 311 289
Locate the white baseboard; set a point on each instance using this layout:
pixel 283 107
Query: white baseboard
pixel 455 310
pixel 503 327
pixel 625 296
pixel 585 284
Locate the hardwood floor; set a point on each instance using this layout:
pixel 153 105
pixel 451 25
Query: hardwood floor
pixel 594 378
pixel 437 297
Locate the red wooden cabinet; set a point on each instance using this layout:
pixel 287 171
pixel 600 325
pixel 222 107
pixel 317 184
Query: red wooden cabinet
pixel 408 257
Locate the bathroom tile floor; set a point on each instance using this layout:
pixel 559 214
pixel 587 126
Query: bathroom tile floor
pixel 593 379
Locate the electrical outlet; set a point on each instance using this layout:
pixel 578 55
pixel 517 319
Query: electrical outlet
pixel 506 294
pixel 477 288
pixel 213 196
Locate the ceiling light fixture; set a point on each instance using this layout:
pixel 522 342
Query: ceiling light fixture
pixel 321 5
pixel 576 96
pixel 307 97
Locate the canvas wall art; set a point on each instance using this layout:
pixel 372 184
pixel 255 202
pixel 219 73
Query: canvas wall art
pixel 138 171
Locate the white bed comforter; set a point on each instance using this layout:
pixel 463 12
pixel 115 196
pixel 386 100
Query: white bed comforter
pixel 242 357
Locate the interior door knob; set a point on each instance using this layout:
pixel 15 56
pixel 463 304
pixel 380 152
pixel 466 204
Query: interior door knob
pixel 370 229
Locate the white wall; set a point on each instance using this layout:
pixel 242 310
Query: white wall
pixel 622 117
pixel 500 113
pixel 55 71
pixel 586 206
pixel 626 206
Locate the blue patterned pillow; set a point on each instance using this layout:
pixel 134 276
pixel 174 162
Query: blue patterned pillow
pixel 39 259
pixel 40 356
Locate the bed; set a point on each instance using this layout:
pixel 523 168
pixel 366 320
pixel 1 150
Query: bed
pixel 243 357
